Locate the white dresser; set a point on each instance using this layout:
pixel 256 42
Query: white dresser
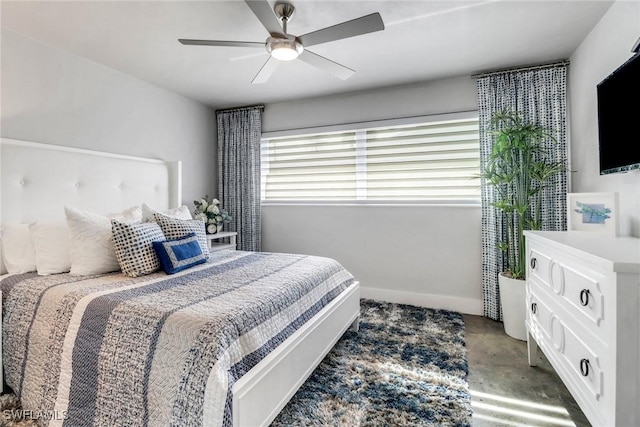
pixel 583 299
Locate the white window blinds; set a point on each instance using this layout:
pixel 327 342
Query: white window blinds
pixel 437 161
pixel 312 167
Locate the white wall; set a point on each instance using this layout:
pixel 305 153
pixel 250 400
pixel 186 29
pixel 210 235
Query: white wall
pixel 424 255
pixel 55 97
pixel 607 47
pixel 420 254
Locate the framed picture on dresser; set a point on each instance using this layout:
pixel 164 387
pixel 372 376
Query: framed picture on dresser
pixel 593 212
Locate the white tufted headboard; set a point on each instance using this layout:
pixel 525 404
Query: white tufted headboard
pixel 38 180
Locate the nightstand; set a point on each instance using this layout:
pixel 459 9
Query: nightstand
pixel 216 246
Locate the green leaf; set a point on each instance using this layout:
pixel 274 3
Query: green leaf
pixel 518 168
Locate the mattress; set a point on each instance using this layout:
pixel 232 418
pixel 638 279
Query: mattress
pixel 160 349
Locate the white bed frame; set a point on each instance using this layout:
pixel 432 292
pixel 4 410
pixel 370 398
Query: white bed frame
pixel 38 180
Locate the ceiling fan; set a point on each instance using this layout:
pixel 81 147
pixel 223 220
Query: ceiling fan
pixel 286 47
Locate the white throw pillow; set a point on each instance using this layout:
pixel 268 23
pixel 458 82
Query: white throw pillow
pixel 52 243
pixel 18 252
pixel 92 250
pixel 182 212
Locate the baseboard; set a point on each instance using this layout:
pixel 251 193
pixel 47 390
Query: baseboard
pixel 462 305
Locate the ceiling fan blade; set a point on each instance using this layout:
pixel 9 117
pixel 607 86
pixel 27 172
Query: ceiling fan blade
pixel 264 12
pixel 340 71
pixel 266 71
pixel 247 56
pixel 363 25
pixel 220 43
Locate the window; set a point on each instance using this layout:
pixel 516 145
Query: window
pixel 435 161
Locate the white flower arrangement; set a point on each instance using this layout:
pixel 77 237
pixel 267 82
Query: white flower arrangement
pixel 212 214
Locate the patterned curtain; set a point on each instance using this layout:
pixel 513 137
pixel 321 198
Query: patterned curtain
pixel 239 133
pixel 540 94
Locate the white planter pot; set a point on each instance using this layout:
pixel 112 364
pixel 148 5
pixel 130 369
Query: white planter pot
pixel 514 306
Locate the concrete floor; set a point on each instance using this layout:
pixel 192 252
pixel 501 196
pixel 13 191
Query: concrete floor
pixel 505 390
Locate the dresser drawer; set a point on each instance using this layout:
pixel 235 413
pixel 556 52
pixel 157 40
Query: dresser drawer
pixel 582 290
pixel 580 364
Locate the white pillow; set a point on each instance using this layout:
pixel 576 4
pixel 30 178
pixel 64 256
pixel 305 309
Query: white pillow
pixel 92 250
pixel 18 252
pixel 52 243
pixel 182 212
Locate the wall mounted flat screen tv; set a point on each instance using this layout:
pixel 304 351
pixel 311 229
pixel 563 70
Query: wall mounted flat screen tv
pixel 618 116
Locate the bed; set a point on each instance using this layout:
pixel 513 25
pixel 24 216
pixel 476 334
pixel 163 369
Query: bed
pixel 226 342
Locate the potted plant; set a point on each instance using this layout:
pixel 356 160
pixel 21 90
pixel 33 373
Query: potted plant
pixel 518 168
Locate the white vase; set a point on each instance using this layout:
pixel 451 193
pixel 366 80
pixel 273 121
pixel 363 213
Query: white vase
pixel 514 306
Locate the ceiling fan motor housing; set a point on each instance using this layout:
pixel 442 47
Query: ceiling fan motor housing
pixel 284 49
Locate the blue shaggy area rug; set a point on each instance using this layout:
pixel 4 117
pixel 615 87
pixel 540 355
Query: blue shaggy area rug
pixel 406 366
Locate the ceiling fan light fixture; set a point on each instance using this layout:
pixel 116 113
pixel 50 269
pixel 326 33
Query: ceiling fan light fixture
pixel 284 49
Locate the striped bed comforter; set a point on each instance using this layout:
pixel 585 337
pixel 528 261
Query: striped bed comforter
pixel 157 350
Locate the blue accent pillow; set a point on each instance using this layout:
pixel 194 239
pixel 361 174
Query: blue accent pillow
pixel 179 254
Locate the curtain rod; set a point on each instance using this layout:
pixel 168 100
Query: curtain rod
pixel 248 107
pixel 562 63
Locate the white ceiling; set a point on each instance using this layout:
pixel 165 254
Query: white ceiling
pixel 423 40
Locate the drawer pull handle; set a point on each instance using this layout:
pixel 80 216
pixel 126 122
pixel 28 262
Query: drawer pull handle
pixel 533 263
pixel 534 307
pixel 584 297
pixel 584 367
